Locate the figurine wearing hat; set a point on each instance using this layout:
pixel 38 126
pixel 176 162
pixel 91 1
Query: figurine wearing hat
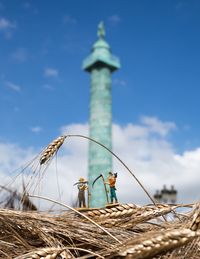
pixel 82 186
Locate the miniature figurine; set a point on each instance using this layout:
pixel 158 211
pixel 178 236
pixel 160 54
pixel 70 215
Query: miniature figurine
pixel 111 181
pixel 82 186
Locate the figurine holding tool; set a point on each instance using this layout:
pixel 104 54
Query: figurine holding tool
pixel 82 187
pixel 112 181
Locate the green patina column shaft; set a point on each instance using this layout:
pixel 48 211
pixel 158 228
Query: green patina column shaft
pixel 100 63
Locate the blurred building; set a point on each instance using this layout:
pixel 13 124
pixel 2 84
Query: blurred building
pixel 166 195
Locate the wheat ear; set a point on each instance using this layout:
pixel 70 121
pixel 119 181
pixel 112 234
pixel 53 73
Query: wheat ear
pixel 46 253
pixel 159 243
pixel 196 219
pixel 129 210
pixel 51 149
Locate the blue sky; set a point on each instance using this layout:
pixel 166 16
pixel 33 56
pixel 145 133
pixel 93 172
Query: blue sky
pixel 157 42
pixel 44 92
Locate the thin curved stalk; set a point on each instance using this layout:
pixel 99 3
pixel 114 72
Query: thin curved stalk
pixel 78 212
pixel 7 256
pixel 84 250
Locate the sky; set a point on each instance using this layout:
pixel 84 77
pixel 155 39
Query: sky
pixel 44 92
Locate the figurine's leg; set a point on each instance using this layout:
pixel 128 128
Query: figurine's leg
pixel 116 197
pixel 79 200
pixel 84 201
pixel 111 194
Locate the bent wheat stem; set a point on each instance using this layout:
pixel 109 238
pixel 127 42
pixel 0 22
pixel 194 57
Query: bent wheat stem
pixel 78 212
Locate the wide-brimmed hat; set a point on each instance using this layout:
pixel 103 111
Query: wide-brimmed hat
pixel 81 179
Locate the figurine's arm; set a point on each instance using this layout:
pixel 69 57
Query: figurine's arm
pixel 106 182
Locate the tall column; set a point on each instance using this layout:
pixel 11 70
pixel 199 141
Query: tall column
pixel 101 63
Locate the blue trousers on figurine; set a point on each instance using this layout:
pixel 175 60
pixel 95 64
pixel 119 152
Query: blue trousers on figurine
pixel 113 194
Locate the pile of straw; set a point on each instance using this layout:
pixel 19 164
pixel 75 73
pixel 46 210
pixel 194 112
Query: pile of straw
pixel 120 231
pixel 139 232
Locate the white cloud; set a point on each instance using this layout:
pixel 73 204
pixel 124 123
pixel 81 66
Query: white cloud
pixel 157 126
pixel 7 27
pixel 6 24
pixel 119 82
pixel 36 129
pixel 29 7
pixel 12 157
pixel 20 55
pixel 26 5
pixel 12 86
pixel 51 72
pixel 152 160
pixel 114 19
pixel 48 87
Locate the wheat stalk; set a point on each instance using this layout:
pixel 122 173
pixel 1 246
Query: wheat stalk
pixel 115 212
pixel 84 240
pixel 128 215
pixel 196 218
pixel 159 243
pixel 79 213
pixel 51 149
pixel 52 253
pixel 46 253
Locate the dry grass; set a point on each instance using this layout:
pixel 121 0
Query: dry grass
pixel 69 235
